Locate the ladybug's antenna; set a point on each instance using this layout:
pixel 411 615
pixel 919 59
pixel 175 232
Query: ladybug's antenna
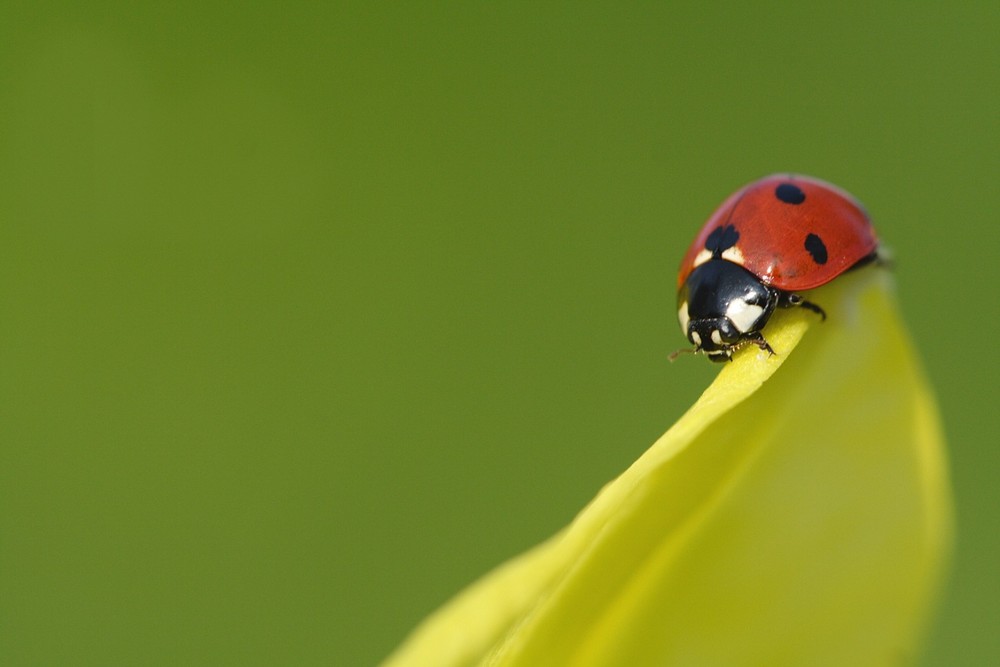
pixel 684 350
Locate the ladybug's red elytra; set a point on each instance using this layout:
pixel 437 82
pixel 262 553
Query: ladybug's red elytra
pixel 768 241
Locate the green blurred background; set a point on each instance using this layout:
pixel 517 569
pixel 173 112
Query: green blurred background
pixel 309 315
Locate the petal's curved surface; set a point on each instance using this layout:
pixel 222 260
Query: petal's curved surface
pixel 798 517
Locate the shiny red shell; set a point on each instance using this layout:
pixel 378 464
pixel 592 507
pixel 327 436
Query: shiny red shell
pixel 787 224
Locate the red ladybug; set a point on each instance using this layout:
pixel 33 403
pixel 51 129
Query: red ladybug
pixel 766 243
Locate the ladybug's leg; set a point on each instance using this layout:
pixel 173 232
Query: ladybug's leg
pixel 881 257
pixel 791 299
pixel 809 305
pixel 757 339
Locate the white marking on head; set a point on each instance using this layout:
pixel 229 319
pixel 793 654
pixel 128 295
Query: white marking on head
pixel 702 257
pixel 743 315
pixel 716 337
pixel 695 338
pixel 734 255
pixel 683 317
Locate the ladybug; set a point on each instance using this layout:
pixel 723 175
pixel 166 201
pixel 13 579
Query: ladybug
pixel 766 243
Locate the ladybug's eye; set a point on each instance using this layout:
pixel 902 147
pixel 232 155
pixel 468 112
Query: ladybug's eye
pixel 727 331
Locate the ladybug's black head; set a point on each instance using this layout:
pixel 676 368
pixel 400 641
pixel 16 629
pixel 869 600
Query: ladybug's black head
pixel 722 306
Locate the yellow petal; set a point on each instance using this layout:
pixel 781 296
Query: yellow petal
pixel 798 514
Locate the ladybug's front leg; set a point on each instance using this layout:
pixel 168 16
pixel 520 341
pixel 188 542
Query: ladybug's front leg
pixel 757 338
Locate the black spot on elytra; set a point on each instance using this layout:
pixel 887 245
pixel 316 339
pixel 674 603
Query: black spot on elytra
pixel 721 239
pixel 790 194
pixel 816 248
